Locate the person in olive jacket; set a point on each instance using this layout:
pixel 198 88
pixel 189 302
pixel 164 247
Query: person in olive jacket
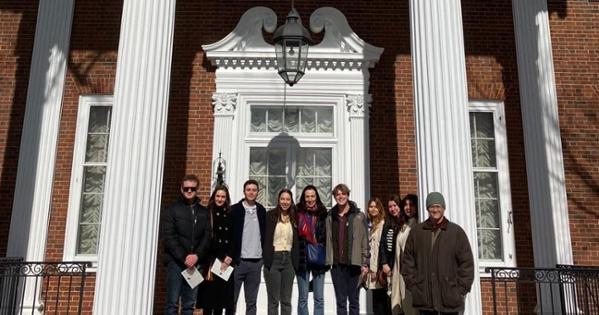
pixel 185 234
pixel 347 250
pixel 437 265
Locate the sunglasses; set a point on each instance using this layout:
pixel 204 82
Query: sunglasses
pixel 189 189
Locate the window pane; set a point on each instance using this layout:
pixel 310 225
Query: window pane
pixel 489 244
pixel 93 179
pixel 308 120
pixel 277 159
pixel 485 185
pixel 482 133
pixel 487 213
pixel 258 161
pixel 97 148
pixel 87 244
pixel 483 153
pixel 292 119
pixel 275 184
pixel 325 120
pixel 483 125
pixel 258 120
pixel 275 119
pixel 314 166
pixel 99 119
pixel 91 208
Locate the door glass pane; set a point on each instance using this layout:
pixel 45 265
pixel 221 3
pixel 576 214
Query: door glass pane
pixel 308 120
pixel 268 166
pixel 292 119
pixel 314 166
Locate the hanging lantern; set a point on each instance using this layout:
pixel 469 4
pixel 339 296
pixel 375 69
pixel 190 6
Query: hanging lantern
pixel 291 46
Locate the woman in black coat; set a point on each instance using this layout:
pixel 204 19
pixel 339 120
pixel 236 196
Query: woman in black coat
pixel 216 294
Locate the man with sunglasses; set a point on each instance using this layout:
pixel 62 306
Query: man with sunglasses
pixel 185 234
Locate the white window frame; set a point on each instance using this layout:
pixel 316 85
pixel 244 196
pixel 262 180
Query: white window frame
pixel 72 227
pixel 503 177
pixel 247 139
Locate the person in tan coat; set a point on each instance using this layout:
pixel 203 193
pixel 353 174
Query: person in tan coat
pixel 437 265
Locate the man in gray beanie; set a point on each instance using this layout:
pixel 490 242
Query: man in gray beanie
pixel 437 264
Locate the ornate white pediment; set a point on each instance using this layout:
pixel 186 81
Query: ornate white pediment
pixel 245 47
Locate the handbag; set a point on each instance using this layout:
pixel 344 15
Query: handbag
pixel 315 254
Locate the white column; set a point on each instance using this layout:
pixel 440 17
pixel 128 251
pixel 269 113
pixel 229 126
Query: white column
pixel 37 154
pixel 131 211
pixel 542 140
pixel 359 148
pixel 442 133
pixel 224 112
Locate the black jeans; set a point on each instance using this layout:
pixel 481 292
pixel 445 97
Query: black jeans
pixel 248 274
pixel 279 283
pixel 381 303
pixel 437 313
pixel 345 281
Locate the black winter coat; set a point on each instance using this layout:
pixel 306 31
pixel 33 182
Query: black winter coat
pixel 387 244
pixel 185 230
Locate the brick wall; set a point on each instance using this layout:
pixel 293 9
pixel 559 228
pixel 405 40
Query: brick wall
pixel 575 39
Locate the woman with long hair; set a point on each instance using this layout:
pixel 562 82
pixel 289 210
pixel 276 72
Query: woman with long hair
pixel 280 253
pixel 376 281
pixel 216 294
pixel 409 206
pixel 395 233
pixel 311 218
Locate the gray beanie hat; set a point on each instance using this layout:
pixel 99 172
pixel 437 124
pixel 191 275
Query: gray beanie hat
pixel 435 198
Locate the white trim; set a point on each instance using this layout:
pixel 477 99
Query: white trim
pixel 79 148
pixel 504 186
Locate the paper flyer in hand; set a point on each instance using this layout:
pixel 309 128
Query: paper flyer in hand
pixel 192 276
pixel 221 274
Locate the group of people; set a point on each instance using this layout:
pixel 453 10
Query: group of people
pixel 410 267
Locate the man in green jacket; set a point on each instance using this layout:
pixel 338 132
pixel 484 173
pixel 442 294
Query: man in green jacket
pixel 437 264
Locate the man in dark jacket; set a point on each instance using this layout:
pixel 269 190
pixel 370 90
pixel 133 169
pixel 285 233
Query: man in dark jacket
pixel 249 221
pixel 437 264
pixel 185 235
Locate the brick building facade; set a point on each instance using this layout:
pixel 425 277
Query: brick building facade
pixel 492 72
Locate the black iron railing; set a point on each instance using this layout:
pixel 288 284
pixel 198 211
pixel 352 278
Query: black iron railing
pixel 563 290
pixel 48 287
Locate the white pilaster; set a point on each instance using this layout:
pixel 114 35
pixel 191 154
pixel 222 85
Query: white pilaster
pixel 37 154
pixel 357 108
pixel 442 133
pixel 131 210
pixel 542 140
pixel 224 113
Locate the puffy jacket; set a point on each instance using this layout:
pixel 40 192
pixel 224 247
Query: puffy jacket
pixel 185 230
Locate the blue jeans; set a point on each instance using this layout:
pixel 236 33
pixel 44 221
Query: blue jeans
pixel 177 287
pixel 345 281
pixel 303 287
